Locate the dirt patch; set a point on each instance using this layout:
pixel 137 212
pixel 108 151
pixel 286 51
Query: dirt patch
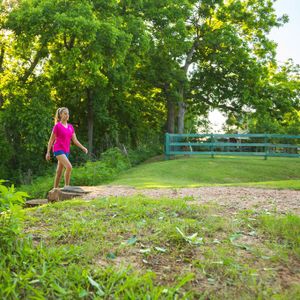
pixel 231 198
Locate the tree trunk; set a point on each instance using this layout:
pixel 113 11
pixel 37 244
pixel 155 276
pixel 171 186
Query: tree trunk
pixel 171 116
pixel 39 55
pixel 181 104
pixel 1 100
pixel 2 58
pixel 1 70
pixel 181 113
pixel 90 121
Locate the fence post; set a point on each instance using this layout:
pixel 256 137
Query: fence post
pixel 212 147
pixel 167 146
pixel 266 147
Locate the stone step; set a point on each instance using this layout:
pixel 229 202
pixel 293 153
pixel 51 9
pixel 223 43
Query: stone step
pixel 74 189
pixel 65 193
pixel 36 202
pixel 62 194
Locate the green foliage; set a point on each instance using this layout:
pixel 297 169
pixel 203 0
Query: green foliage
pixel 277 104
pixel 75 54
pixel 289 123
pixel 142 153
pixel 6 150
pixel 10 216
pixel 115 159
pixel 112 162
pixel 26 123
pixel 10 198
pixel 39 186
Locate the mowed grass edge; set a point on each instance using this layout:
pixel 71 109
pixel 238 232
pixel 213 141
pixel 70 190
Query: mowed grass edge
pixel 206 171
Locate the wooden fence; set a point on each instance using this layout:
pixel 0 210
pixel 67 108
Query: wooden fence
pixel 265 145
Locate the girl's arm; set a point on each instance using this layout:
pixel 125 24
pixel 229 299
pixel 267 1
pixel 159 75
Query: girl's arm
pixel 77 143
pixel 50 143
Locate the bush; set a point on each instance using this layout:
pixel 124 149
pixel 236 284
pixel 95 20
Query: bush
pixel 142 153
pixel 115 159
pixel 112 162
pixel 10 215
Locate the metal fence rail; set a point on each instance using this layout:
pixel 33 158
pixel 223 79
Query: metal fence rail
pixel 265 145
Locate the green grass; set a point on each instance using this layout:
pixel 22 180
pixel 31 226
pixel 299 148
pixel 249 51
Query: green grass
pixel 206 171
pixel 293 184
pixel 140 248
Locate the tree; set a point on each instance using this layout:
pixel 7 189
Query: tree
pixel 277 106
pixel 80 54
pixel 217 48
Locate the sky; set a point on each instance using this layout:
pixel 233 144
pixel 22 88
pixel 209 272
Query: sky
pixel 287 38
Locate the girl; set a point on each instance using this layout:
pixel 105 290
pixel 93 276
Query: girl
pixel 61 136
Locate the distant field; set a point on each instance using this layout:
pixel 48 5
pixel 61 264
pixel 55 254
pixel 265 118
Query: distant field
pixel 205 171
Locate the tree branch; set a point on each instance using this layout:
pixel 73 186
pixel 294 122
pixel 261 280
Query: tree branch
pixel 224 107
pixel 37 58
pixel 189 57
pixel 2 58
pixel 2 51
pixel 69 45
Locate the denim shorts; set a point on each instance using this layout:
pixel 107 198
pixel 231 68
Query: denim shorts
pixel 60 152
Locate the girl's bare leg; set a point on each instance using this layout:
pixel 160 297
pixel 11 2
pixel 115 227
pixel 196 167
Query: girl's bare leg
pixel 59 170
pixel 67 165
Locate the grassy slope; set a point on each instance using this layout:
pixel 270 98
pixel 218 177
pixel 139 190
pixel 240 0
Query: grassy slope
pixel 203 171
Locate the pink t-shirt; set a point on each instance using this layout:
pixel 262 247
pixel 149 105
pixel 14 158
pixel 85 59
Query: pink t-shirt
pixel 63 136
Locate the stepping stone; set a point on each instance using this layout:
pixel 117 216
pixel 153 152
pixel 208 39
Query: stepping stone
pixel 65 193
pixel 53 195
pixel 73 189
pixel 36 202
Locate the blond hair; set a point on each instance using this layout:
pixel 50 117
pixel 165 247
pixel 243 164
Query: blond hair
pixel 58 114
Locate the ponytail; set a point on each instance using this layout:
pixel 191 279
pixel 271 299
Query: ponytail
pixel 58 113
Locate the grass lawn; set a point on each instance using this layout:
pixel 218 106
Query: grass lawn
pixel 205 171
pixel 139 248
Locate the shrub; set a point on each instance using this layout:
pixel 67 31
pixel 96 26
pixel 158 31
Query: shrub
pixel 10 215
pixel 115 159
pixel 142 153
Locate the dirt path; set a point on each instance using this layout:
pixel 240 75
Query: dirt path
pixel 231 198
